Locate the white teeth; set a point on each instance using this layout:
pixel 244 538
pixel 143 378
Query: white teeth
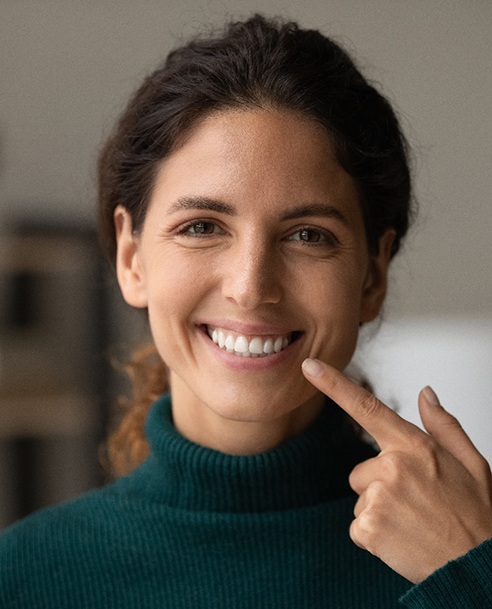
pixel 256 347
pixel 241 345
pixel 229 343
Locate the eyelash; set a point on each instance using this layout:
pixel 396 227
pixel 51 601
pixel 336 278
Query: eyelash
pixel 325 238
pixel 185 230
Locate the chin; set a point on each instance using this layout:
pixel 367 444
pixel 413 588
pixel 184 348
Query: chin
pixel 261 406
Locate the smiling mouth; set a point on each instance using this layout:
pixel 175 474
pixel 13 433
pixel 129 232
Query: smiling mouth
pixel 254 346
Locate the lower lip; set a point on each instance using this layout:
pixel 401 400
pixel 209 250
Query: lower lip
pixel 237 362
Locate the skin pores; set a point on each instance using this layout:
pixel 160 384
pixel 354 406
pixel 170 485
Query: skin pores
pixel 252 257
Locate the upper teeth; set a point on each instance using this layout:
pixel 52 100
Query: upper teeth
pixel 258 346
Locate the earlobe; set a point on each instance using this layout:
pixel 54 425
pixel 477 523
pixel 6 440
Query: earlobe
pixel 376 281
pixel 129 271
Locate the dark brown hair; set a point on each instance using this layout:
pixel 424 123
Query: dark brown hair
pixel 257 63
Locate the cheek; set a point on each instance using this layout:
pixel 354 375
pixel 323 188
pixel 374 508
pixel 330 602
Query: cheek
pixel 334 306
pixel 171 297
pixel 171 279
pixel 335 294
pixel 179 286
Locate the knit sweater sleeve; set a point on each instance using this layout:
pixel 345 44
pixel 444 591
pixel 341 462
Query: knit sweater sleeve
pixel 465 583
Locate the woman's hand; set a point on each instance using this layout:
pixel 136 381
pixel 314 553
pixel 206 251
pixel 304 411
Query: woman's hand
pixel 426 498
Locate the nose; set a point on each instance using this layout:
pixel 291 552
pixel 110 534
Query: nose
pixel 253 276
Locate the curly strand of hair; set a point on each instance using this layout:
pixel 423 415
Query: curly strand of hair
pixel 127 446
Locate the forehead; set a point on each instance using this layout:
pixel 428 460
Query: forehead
pixel 272 157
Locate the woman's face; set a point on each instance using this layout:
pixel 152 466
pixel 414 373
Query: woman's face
pixel 252 257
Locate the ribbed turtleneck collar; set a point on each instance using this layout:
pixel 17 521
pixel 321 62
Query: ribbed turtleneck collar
pixel 307 470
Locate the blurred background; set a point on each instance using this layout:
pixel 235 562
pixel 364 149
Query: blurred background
pixel 66 71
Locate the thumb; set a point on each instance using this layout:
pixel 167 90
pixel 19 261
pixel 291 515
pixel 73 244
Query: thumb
pixel 446 429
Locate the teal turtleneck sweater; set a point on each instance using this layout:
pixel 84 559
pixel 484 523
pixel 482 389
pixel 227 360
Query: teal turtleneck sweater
pixel 195 528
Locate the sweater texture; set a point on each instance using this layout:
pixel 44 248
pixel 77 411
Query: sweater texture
pixel 196 528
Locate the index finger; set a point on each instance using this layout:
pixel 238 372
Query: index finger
pixel 380 421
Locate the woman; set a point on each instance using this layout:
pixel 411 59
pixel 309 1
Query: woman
pixel 252 197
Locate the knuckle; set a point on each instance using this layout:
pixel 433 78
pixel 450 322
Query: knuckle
pixel 354 481
pixel 422 441
pixel 367 522
pixel 353 531
pixel 451 422
pixel 429 462
pixel 375 491
pixel 368 405
pixel 420 460
pixel 424 445
pixel 483 468
pixel 356 534
pixel 393 468
pixel 333 381
pixel 356 478
pixel 364 530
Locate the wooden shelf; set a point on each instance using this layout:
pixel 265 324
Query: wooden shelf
pixel 45 254
pixel 51 414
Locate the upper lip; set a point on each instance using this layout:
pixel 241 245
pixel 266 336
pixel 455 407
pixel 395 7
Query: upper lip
pixel 248 329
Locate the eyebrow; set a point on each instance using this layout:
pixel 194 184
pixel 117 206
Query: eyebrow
pixel 315 209
pixel 205 203
pixel 301 211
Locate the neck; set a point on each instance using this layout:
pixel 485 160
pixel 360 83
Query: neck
pixel 308 470
pixel 240 430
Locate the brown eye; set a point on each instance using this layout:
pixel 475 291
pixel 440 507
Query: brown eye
pixel 314 236
pixel 311 236
pixel 202 227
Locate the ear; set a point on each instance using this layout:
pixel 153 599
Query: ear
pixel 374 290
pixel 129 270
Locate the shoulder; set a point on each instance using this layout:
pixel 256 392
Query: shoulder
pixel 87 509
pixel 55 546
pixel 76 521
pixel 51 526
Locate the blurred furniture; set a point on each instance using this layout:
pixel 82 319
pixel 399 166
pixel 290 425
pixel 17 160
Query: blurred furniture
pixel 53 368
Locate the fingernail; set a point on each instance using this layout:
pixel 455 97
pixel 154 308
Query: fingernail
pixel 431 396
pixel 312 367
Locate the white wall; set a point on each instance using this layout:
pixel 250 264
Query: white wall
pixel 67 67
pixel 452 354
